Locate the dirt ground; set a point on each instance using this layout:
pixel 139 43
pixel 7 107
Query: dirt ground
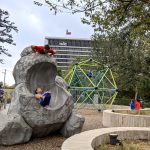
pixel 93 120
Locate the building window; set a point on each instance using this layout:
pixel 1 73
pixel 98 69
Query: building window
pixel 69 49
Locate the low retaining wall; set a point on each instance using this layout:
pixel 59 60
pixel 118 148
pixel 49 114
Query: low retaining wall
pixel 125 118
pixel 92 106
pixel 88 140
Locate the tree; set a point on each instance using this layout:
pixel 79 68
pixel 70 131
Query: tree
pixel 121 38
pixel 6 27
pixel 128 58
pixel 108 15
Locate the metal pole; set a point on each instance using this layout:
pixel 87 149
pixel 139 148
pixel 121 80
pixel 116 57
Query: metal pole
pixel 4 77
pixel 4 98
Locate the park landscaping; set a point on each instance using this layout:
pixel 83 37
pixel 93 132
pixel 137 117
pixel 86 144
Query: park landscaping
pixel 127 145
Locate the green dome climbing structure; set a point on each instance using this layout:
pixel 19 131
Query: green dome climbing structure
pixel 91 82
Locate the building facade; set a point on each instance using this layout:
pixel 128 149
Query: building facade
pixel 67 49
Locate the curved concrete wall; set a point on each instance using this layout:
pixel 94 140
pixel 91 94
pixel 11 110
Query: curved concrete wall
pixel 122 118
pixel 88 140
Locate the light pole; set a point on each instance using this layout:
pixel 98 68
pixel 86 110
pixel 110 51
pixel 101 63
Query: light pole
pixel 4 77
pixel 4 88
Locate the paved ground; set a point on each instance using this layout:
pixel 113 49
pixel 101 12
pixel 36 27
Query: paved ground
pixel 93 120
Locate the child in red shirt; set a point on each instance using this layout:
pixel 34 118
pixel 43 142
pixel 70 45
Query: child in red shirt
pixel 137 104
pixel 43 50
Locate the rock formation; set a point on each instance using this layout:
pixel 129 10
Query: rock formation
pixel 14 130
pixel 73 125
pixel 31 71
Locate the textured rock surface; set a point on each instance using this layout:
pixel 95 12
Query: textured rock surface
pixel 26 51
pixel 60 81
pixel 14 130
pixel 73 125
pixel 36 70
pixel 42 120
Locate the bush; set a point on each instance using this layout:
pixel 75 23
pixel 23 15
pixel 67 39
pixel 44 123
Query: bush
pixel 122 101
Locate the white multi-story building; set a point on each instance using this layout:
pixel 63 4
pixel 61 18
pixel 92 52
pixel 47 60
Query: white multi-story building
pixel 69 48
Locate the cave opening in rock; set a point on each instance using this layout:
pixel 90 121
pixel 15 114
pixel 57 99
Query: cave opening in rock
pixel 41 75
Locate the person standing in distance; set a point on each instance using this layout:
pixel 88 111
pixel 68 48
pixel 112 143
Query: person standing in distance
pixel 1 94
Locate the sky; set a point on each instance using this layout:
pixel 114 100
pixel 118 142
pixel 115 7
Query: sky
pixel 34 23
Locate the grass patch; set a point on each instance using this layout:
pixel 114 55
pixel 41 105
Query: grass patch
pixel 127 145
pixel 7 95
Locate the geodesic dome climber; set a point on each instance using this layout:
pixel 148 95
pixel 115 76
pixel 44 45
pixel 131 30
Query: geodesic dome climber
pixel 91 82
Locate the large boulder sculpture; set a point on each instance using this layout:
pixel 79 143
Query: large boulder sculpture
pixel 35 70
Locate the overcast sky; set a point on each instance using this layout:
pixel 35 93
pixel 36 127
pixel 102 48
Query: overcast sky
pixel 34 23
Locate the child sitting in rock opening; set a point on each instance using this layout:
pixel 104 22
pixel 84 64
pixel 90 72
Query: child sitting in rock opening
pixel 43 97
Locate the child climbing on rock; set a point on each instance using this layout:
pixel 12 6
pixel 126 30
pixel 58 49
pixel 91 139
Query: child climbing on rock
pixel 43 97
pixel 43 50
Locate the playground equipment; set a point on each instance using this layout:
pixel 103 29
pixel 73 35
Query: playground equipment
pixel 25 116
pixel 91 82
